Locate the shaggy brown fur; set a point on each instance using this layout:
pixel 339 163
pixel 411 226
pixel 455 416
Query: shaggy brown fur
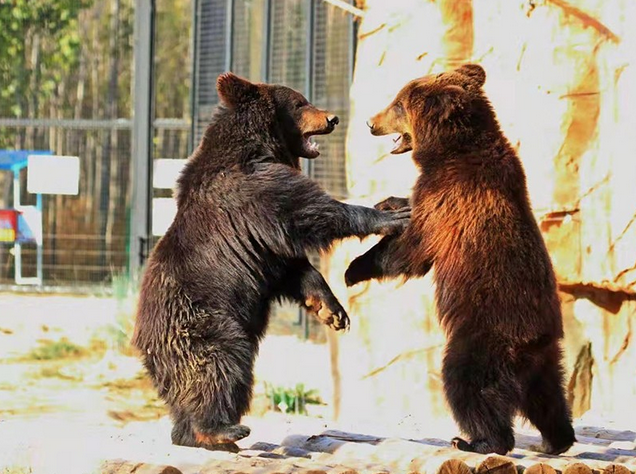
pixel 246 219
pixel 496 292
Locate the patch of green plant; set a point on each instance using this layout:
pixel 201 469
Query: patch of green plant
pixel 54 372
pixel 119 333
pixel 52 350
pixel 16 470
pixel 292 400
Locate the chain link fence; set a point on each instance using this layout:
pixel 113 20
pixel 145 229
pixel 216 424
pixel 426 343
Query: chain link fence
pixel 305 44
pixel 66 75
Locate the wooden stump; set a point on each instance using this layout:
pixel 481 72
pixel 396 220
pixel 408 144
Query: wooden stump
pixel 450 466
pixel 496 465
pixel 127 467
pixel 348 470
pixel 542 468
pixel 616 469
pixel 577 468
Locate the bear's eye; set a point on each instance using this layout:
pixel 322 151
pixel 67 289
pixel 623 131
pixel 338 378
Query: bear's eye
pixel 299 104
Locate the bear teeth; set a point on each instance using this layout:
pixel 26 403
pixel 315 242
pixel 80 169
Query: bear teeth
pixel 312 145
pixel 398 142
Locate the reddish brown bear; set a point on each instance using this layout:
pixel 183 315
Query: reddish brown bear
pixel 496 291
pixel 246 219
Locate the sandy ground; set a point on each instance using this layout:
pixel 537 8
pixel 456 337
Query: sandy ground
pixel 99 403
pixel 67 414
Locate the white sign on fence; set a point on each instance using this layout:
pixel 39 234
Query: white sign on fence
pixel 165 172
pixel 163 212
pixel 53 174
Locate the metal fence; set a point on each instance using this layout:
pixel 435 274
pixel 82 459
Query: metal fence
pixel 67 87
pixel 304 44
pixel 66 70
pixel 84 237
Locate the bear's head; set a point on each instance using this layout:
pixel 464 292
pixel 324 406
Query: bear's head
pixel 277 110
pixel 447 108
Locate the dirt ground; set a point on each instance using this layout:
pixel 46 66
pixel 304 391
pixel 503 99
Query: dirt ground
pixel 69 384
pixel 73 395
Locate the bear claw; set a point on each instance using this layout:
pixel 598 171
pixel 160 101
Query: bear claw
pixel 335 317
pixel 462 445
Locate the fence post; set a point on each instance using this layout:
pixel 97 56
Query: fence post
pixel 143 113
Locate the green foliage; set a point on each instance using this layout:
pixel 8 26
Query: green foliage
pixel 52 350
pixel 118 334
pixel 292 400
pixel 172 63
pixel 55 372
pixel 39 45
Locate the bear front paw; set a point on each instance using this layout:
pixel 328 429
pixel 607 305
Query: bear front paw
pixel 336 318
pixel 395 221
pixel 355 272
pixel 332 315
pixel 392 204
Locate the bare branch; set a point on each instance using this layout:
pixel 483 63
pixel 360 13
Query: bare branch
pixel 373 31
pixel 585 18
pixel 624 272
pixel 397 358
pixel 606 295
pixel 346 7
pixel 622 234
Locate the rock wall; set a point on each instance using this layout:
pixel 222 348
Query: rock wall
pixel 562 80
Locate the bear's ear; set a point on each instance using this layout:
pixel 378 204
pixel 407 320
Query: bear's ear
pixel 234 90
pixel 446 102
pixel 475 72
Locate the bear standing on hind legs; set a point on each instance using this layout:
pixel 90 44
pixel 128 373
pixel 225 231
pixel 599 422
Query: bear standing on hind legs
pixel 246 218
pixel 496 292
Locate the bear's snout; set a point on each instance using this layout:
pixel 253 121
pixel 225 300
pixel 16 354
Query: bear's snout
pixel 332 120
pixel 373 127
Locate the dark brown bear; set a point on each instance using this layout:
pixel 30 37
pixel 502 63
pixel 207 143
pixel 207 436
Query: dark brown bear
pixel 496 292
pixel 246 219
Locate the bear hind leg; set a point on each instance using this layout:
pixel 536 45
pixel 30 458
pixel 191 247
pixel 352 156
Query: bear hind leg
pixel 215 392
pixel 482 400
pixel 543 403
pixel 182 430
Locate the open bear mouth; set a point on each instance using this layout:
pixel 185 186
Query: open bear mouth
pixel 402 144
pixel 310 147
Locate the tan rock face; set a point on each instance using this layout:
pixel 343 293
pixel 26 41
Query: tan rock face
pixel 562 79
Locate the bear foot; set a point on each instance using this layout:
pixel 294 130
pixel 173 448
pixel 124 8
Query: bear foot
pixel 227 447
pixel 221 439
pixel 547 448
pixel 480 446
pixel 222 435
